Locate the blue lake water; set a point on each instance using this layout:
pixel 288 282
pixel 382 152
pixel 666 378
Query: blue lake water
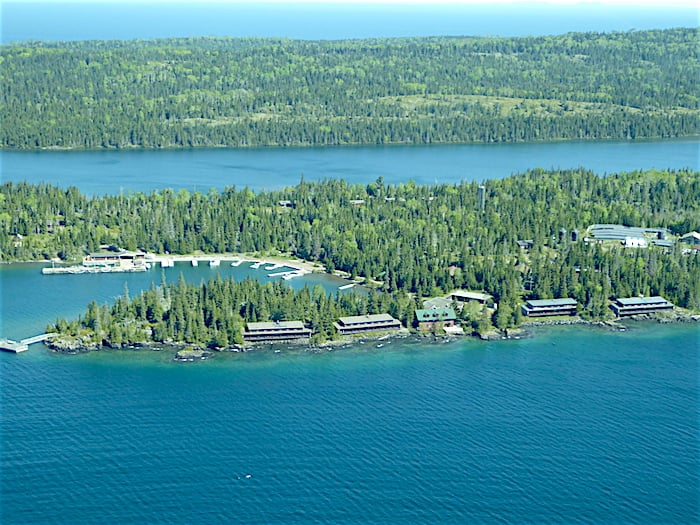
pixel 100 172
pixel 574 426
pixel 318 21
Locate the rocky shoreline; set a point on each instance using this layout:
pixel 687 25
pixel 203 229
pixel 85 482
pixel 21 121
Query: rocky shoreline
pixel 189 353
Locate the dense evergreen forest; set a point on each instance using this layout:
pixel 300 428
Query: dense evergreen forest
pixel 213 314
pixel 408 239
pixel 252 92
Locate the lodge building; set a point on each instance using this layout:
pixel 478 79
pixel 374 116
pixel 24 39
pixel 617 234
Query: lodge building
pixel 366 323
pixel 462 296
pixel 276 331
pixel 639 305
pixel 435 318
pixel 547 307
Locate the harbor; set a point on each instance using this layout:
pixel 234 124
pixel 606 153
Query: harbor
pixel 122 261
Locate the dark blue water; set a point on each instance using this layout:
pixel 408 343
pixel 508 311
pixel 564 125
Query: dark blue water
pixel 575 426
pixel 127 20
pixel 100 172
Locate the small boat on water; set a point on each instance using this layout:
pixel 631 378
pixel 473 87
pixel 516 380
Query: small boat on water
pixel 279 274
pixel 214 262
pixel 257 265
pixel 195 262
pixel 346 286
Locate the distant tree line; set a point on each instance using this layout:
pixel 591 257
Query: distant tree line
pixel 254 92
pixel 407 238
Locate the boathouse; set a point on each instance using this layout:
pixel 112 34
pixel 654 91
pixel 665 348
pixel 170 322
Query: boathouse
pixel 276 331
pixel 435 319
pixel 546 307
pixel 356 324
pixel 640 305
pixel 115 259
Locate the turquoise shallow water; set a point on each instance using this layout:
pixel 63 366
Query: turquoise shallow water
pixel 573 426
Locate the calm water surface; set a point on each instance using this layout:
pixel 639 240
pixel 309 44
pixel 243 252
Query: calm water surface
pixel 330 20
pixel 574 426
pixel 100 172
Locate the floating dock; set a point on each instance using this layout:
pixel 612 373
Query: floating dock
pixel 92 269
pixel 16 347
pixel 7 345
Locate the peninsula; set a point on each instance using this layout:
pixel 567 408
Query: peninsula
pixel 493 250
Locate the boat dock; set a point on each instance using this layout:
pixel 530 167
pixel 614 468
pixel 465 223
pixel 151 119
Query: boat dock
pixel 16 347
pixel 7 345
pixel 74 270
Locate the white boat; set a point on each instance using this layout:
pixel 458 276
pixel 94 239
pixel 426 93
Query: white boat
pixel 214 262
pixel 292 275
pixel 257 265
pixel 237 262
pixel 346 286
pixel 195 262
pixel 167 263
pixel 279 274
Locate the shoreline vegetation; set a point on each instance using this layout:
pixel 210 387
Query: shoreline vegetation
pixel 536 237
pixel 254 92
pixel 183 352
pixel 560 234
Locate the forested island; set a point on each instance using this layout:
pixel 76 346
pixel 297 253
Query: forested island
pixel 277 92
pixel 524 237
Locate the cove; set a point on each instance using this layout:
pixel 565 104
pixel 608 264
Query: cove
pixel 112 172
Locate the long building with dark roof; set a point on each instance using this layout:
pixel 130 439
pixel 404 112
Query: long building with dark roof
pixel 623 306
pixel 546 307
pixel 366 323
pixel 274 331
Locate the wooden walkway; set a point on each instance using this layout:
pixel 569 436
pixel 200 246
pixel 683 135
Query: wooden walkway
pixel 36 339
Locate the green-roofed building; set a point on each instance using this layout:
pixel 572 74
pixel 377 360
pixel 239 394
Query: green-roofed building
pixel 435 318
